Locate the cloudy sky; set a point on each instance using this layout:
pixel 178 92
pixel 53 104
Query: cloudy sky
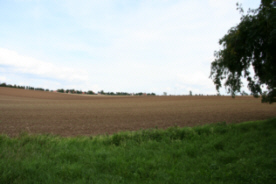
pixel 114 45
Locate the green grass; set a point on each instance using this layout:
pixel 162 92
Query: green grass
pixel 217 153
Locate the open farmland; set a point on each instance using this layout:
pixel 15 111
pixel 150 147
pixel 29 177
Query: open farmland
pixel 71 115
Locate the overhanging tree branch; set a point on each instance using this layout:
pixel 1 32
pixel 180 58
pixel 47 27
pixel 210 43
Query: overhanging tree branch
pixel 250 43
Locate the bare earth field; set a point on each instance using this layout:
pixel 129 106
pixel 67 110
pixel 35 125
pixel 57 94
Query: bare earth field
pixel 72 115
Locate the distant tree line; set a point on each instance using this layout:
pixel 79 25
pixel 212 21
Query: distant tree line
pixel 22 87
pixel 104 93
pixel 73 91
pixel 126 94
pixel 90 92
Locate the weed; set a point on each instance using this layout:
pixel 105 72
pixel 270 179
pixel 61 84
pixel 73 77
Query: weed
pixel 216 153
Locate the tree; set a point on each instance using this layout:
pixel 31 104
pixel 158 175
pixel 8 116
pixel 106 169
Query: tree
pixel 60 90
pixel 101 92
pixel 250 44
pixel 90 92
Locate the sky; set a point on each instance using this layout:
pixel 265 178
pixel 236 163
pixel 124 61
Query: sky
pixel 114 45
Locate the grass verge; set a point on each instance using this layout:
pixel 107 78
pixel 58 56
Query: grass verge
pixel 216 153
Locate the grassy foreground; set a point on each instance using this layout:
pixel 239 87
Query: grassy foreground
pixel 217 153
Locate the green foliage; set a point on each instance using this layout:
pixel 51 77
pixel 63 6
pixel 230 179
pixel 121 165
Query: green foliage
pixel 39 89
pixel 251 43
pixel 60 90
pixel 125 93
pixel 11 86
pixel 216 153
pixel 90 92
pixel 73 91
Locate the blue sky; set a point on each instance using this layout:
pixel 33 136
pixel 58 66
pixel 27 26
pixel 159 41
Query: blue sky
pixel 132 46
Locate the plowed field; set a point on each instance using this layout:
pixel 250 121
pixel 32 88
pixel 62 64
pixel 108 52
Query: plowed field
pixel 71 115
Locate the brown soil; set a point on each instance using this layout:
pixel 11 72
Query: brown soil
pixel 71 115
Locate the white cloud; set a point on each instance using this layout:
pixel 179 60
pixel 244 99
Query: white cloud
pixel 29 65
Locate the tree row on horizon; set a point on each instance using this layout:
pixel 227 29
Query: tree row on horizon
pixel 73 91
